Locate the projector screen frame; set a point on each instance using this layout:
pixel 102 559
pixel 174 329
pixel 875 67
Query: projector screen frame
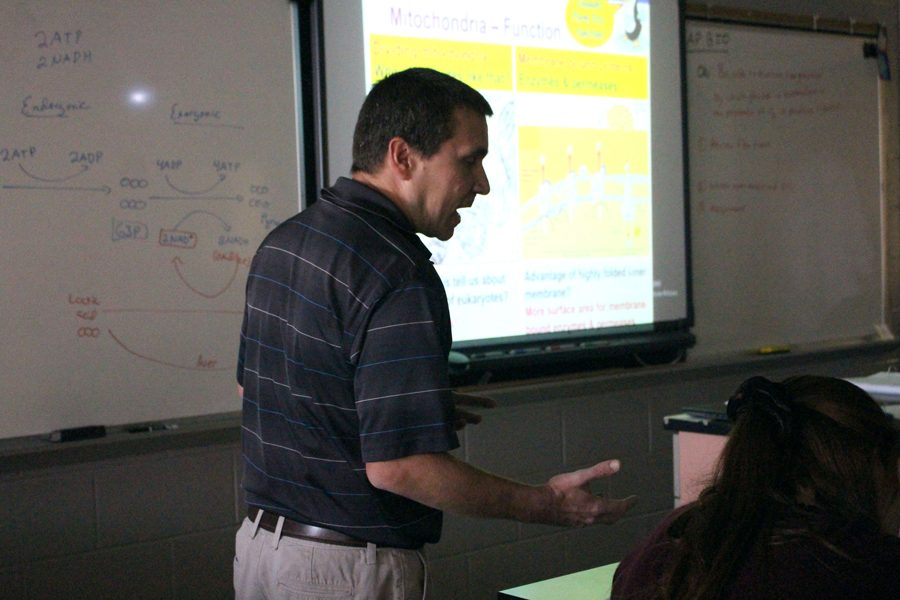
pixel 663 340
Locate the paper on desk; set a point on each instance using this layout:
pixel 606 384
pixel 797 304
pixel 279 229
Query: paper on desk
pixel 885 385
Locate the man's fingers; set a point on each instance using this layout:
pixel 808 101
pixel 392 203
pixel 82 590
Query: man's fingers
pixel 582 476
pixel 473 400
pixel 461 418
pixel 577 505
pixel 605 468
pixel 615 508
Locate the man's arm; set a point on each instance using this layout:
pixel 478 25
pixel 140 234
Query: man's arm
pixel 443 482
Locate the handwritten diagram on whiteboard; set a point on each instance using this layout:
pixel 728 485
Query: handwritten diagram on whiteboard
pixel 140 167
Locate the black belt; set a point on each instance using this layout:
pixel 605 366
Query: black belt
pixel 269 522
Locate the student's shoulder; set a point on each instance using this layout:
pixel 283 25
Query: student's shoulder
pixel 639 569
pixel 866 567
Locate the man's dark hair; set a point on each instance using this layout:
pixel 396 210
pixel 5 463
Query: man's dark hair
pixel 417 105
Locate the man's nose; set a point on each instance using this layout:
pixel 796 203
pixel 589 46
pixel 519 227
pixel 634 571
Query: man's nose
pixel 482 185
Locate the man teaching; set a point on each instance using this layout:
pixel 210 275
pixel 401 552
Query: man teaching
pixel 348 416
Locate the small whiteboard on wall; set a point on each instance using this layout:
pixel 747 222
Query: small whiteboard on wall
pixel 786 212
pixel 146 147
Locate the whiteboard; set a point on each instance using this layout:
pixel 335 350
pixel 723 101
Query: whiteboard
pixel 146 147
pixel 783 130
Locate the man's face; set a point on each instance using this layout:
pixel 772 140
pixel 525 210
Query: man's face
pixel 452 177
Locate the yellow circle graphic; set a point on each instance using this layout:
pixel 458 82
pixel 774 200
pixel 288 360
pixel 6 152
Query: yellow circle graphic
pixel 590 21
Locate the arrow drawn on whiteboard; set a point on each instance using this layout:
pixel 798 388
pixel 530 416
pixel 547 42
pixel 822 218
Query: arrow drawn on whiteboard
pixel 105 189
pixel 162 362
pixel 206 191
pixel 177 262
pixel 33 176
pixel 237 198
pixel 225 224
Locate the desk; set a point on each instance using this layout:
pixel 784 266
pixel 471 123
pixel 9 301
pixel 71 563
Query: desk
pixel 592 584
pixel 697 443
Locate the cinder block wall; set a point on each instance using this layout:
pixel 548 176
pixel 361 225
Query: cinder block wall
pixel 156 518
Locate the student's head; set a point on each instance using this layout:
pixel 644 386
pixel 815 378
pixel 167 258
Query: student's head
pixel 804 455
pixel 816 441
pixel 428 132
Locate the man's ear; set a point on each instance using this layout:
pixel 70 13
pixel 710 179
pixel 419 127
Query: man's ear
pixel 401 158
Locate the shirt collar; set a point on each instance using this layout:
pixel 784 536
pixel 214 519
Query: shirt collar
pixel 349 193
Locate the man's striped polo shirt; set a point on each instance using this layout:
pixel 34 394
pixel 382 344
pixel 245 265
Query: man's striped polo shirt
pixel 343 359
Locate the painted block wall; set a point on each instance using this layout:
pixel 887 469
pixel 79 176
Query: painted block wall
pixel 160 523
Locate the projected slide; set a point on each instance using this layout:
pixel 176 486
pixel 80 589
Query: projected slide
pixel 564 241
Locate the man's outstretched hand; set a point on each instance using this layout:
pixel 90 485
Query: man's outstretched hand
pixel 574 504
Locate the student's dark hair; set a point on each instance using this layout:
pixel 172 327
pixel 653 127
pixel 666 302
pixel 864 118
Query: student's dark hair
pixel 417 105
pixel 806 442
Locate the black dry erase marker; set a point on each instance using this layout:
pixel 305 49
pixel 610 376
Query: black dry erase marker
pixel 152 427
pixel 78 433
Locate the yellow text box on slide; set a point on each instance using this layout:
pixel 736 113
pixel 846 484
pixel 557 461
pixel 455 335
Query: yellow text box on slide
pixel 483 66
pixel 581 73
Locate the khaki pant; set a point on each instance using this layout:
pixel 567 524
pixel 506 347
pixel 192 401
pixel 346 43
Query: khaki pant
pixel 266 567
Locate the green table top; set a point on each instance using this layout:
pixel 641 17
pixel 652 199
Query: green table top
pixel 592 584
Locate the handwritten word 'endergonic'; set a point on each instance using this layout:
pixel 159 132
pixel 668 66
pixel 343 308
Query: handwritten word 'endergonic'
pixel 52 109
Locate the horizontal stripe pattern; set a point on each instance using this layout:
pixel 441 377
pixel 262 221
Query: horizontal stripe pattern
pixel 343 360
